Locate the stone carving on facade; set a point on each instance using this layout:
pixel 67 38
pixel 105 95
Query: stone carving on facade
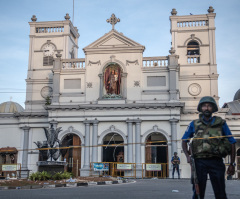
pixel 34 19
pixel 67 17
pixel 174 11
pixel 136 83
pixel 112 57
pixel 89 85
pixel 192 36
pixel 194 89
pixel 210 10
pixel 132 62
pixel 92 62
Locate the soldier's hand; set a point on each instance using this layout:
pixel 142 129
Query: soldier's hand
pixel 231 170
pixel 189 159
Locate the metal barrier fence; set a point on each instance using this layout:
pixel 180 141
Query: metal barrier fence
pixel 10 170
pixel 101 168
pixel 114 169
pixel 157 170
pixel 128 170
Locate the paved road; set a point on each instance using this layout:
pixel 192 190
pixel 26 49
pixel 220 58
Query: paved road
pixel 141 189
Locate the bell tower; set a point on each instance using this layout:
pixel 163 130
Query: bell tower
pixel 193 38
pixel 47 39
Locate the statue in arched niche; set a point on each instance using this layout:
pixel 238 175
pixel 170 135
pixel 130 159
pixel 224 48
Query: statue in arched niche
pixel 112 79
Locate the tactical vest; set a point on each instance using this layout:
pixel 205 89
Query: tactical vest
pixel 203 145
pixel 175 159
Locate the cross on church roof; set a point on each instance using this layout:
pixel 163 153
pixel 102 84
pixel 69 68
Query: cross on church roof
pixel 113 20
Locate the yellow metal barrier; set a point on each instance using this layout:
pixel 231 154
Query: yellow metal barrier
pixel 101 168
pixel 124 170
pixel 155 170
pixel 10 170
pixel 114 169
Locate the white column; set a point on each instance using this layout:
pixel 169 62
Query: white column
pixel 94 141
pixel 138 141
pixel 24 169
pixel 174 134
pixel 86 165
pixel 138 149
pixel 130 141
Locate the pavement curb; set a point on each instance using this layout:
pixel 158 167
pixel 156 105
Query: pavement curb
pixel 79 184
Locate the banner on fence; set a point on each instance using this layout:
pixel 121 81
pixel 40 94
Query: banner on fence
pixel 124 167
pixel 9 167
pixel 153 167
pixel 100 166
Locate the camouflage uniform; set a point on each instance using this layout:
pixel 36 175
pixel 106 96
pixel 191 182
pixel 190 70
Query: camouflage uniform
pixel 208 152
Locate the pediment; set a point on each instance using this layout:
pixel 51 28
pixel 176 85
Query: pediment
pixel 113 40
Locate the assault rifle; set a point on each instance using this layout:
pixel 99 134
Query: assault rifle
pixel 194 179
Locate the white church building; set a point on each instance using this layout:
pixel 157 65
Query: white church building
pixel 114 105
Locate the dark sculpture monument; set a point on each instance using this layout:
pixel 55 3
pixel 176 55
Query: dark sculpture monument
pixel 50 151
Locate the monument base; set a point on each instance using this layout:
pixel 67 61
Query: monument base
pixel 51 167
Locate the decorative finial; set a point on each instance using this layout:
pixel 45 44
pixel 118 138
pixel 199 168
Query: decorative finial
pixel 67 17
pixel 172 51
pixel 58 55
pixel 174 11
pixel 34 18
pixel 210 10
pixel 113 20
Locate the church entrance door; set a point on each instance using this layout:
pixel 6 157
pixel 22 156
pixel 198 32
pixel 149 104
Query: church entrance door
pixel 156 152
pixel 72 155
pixel 112 151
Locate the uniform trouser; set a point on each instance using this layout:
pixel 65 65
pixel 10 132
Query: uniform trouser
pixel 216 170
pixel 175 166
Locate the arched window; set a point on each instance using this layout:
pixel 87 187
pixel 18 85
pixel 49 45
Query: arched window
pixel 193 48
pixel 193 52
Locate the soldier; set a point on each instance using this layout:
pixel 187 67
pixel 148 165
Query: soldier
pixel 208 151
pixel 175 162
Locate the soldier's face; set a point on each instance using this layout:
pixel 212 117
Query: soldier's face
pixel 207 109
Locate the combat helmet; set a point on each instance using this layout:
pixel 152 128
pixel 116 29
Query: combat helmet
pixel 207 99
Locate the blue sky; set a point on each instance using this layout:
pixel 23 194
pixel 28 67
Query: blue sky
pixel 144 21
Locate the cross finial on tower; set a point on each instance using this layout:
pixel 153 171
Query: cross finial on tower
pixel 113 20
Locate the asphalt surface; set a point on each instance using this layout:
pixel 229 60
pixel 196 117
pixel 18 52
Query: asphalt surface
pixel 140 189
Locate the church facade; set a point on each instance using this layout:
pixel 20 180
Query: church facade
pixel 114 105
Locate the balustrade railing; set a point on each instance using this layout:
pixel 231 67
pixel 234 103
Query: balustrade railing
pixel 182 24
pixel 155 61
pixel 193 59
pixel 49 29
pixel 73 63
